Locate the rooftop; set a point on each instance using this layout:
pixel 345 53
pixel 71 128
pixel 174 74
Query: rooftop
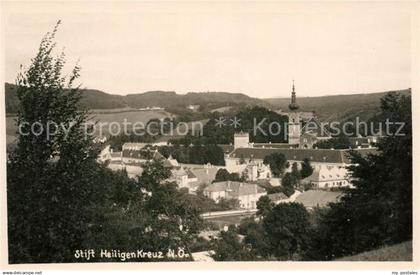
pixel 313 126
pixel 235 188
pixel 315 155
pixel 277 196
pixel 318 198
pixel 144 154
pixel 205 174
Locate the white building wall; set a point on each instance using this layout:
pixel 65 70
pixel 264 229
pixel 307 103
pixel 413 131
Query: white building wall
pixel 250 201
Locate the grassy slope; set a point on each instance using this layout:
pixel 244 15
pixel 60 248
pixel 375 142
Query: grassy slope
pixel 397 252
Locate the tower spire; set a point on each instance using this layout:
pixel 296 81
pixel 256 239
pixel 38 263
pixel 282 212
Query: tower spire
pixel 293 104
pixel 293 86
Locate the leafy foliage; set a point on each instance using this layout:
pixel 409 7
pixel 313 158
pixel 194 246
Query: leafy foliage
pixel 307 169
pixel 196 154
pixel 230 248
pixel 264 206
pixel 174 103
pixel 61 199
pixel 224 175
pixel 378 211
pixel 287 226
pixel 52 179
pixel 249 118
pixel 277 162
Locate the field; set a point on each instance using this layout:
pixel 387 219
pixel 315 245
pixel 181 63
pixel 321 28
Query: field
pixel 106 118
pixel 398 252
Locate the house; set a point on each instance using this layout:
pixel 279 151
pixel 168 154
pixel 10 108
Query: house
pixel 133 156
pixel 185 179
pixel 246 193
pixel 130 156
pixel 327 176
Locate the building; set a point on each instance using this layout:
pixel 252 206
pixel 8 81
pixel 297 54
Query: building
pixel 293 126
pixel 303 129
pixel 193 176
pixel 241 140
pixel 313 131
pixel 205 174
pixel 130 156
pixel 185 179
pixel 363 142
pixel 328 176
pixel 133 146
pixel 330 166
pixel 246 193
pixel 255 171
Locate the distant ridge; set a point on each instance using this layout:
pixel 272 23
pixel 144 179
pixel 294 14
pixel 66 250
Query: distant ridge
pixel 338 107
pixel 95 99
pixel 327 108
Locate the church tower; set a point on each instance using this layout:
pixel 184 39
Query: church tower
pixel 294 120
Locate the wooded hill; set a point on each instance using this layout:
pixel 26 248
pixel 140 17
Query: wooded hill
pixel 95 99
pixel 327 108
pixel 338 107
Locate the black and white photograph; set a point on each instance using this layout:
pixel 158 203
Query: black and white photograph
pixel 199 132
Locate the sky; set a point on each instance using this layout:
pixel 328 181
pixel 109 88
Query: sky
pixel 255 48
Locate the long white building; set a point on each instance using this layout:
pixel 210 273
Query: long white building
pixel 330 166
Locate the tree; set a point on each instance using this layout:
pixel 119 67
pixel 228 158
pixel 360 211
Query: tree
pixel 52 175
pixel 228 204
pixel 307 169
pixel 378 211
pixel 277 163
pixel 256 238
pixel 229 248
pixel 264 206
pixel 61 199
pixel 289 182
pixel 287 227
pixel 223 175
pixel 295 172
pixel 248 117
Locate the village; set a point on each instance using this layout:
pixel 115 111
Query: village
pixel 246 159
